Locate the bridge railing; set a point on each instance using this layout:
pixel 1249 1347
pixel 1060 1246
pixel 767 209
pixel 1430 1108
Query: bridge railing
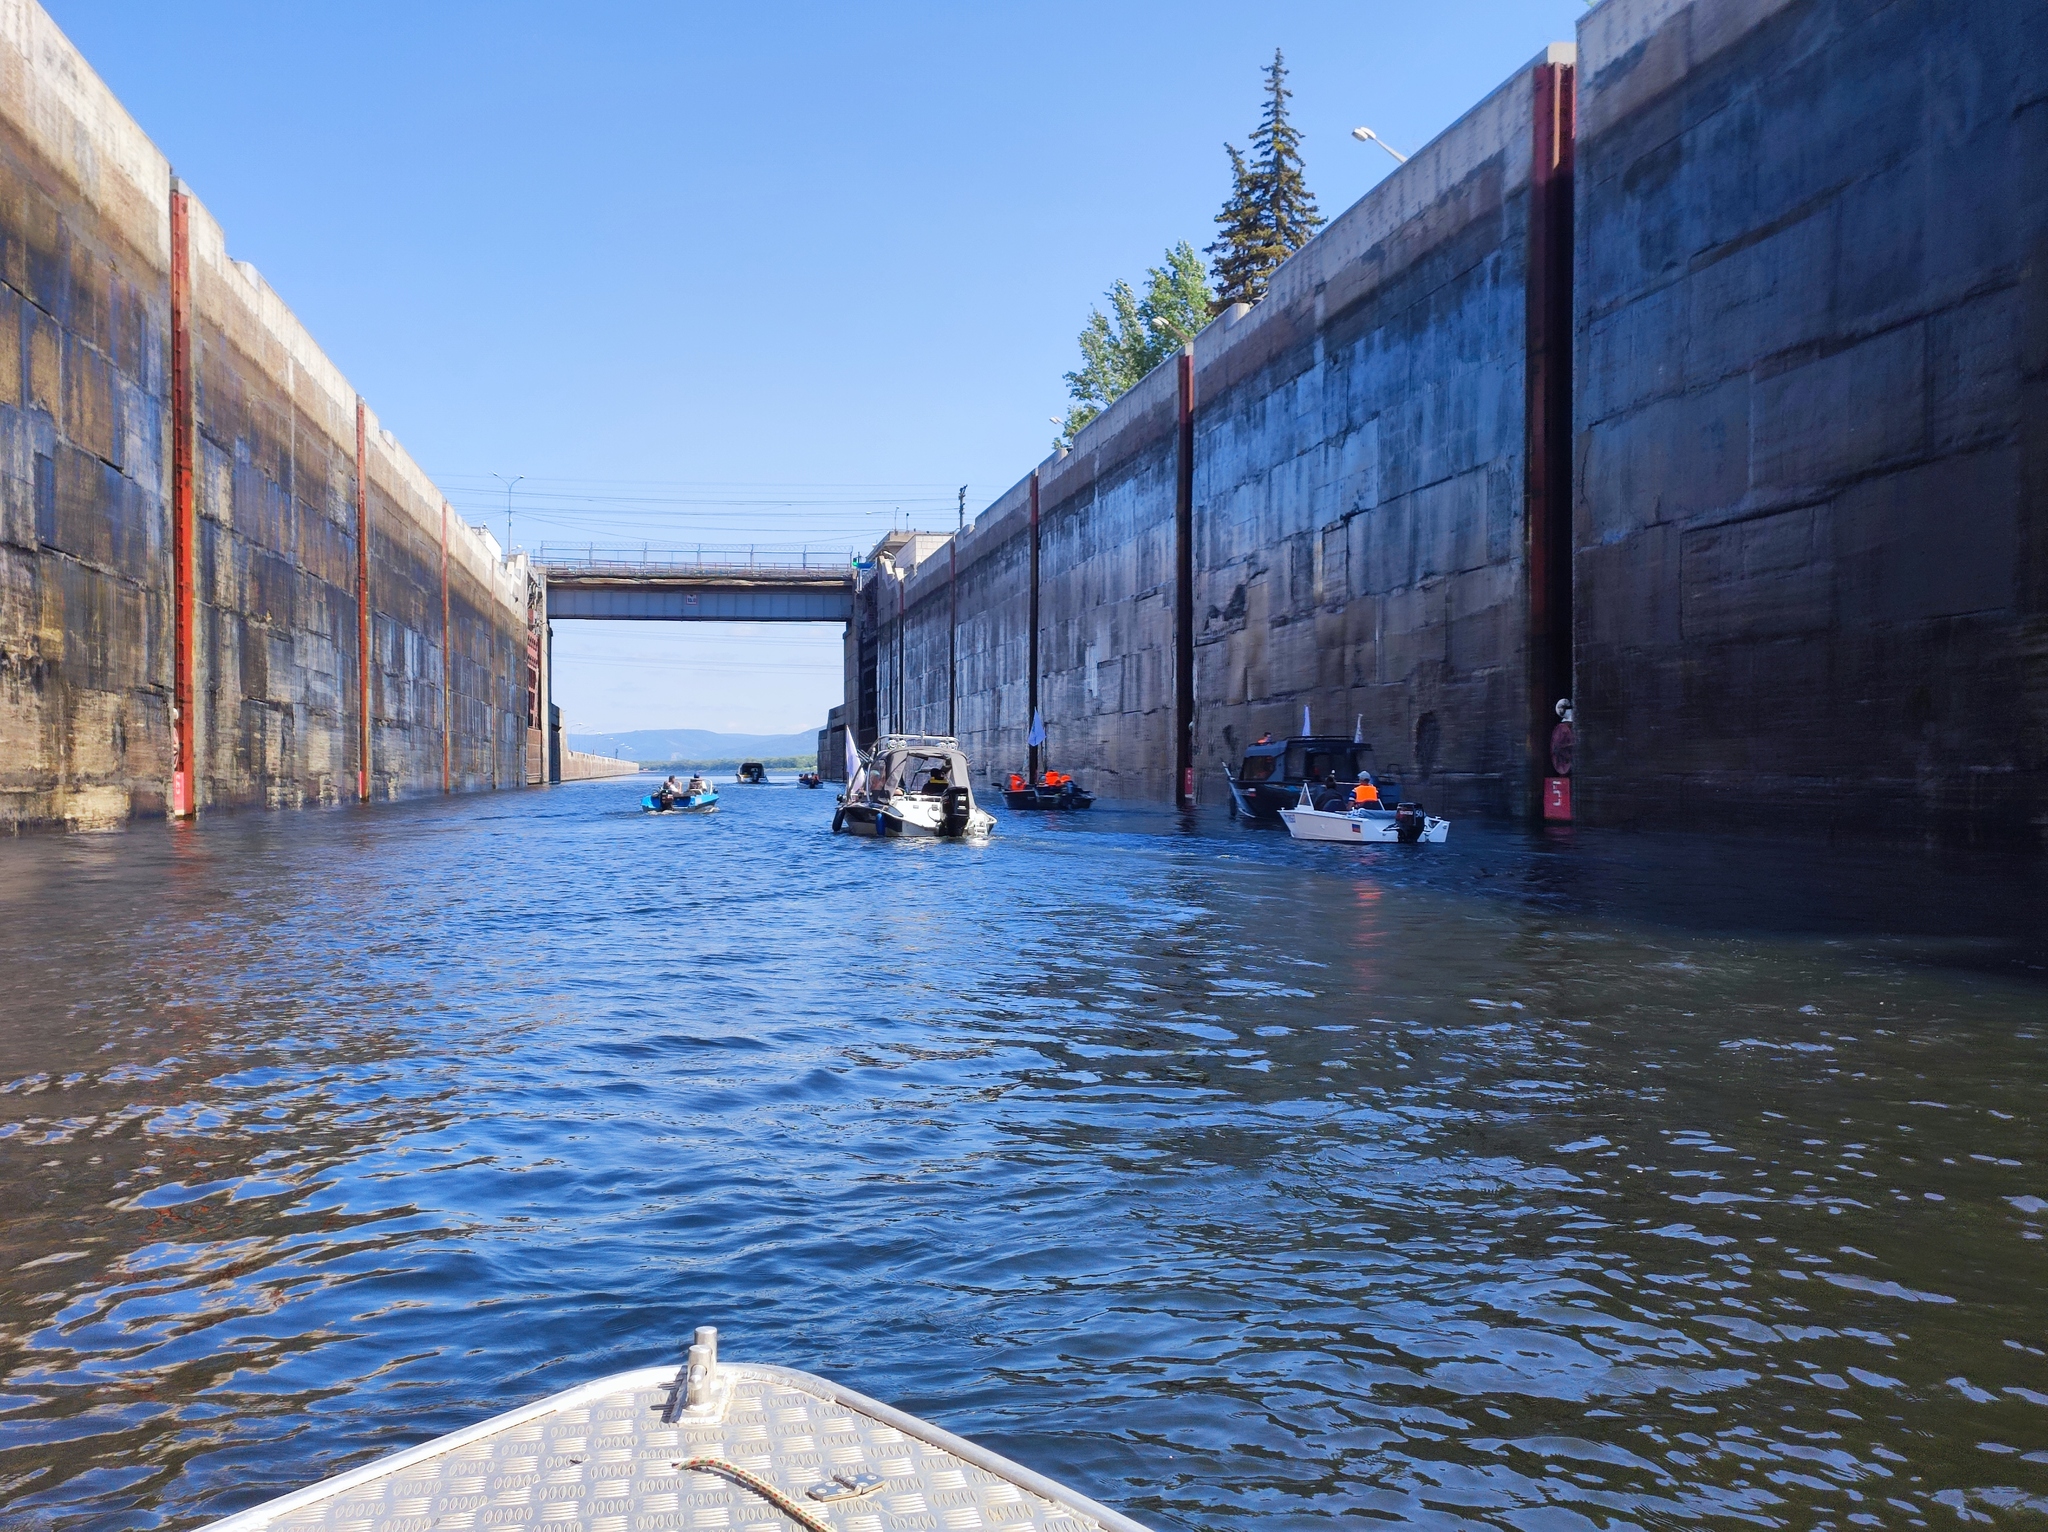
pixel 565 559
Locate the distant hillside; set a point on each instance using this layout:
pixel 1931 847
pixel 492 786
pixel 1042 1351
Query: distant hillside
pixel 693 746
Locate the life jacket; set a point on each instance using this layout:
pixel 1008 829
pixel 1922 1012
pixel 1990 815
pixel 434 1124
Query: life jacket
pixel 1365 792
pixel 1057 779
pixel 1016 783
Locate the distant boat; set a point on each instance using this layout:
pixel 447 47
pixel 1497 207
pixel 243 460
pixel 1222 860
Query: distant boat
pixel 730 1441
pixel 1055 790
pixel 752 773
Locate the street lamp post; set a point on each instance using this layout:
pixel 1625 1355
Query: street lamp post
pixel 508 483
pixel 1366 135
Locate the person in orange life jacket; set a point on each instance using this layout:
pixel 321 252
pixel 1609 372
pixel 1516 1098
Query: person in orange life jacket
pixel 1365 796
pixel 1057 779
pixel 1016 782
pixel 1263 739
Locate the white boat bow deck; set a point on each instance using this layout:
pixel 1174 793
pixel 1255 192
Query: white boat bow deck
pixel 744 1446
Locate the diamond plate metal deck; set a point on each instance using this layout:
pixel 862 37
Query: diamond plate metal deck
pixel 600 1459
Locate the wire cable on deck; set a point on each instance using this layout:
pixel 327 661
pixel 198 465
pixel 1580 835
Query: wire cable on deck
pixel 761 1487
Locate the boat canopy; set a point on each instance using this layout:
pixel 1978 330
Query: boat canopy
pixel 904 763
pixel 1306 759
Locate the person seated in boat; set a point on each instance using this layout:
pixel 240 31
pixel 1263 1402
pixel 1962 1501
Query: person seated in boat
pixel 1365 795
pixel 1263 739
pixel 936 784
pixel 1057 779
pixel 1323 793
pixel 1017 783
pixel 697 785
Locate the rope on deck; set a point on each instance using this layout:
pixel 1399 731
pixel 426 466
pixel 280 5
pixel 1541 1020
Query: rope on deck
pixel 758 1486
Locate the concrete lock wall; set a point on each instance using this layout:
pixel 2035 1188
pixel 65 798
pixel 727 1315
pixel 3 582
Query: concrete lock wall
pixel 85 592
pixel 125 503
pixel 1718 407
pixel 1375 468
pixel 1813 323
pixel 1369 461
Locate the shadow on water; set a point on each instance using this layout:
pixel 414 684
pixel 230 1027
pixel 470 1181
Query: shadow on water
pixel 1559 1181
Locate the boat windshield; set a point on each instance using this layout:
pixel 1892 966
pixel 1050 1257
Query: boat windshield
pixel 912 771
pixel 1257 768
pixel 1320 761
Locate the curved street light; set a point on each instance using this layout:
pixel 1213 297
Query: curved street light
pixel 1366 135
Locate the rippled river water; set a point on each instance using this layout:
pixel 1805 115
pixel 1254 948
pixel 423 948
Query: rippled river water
pixel 1588 1181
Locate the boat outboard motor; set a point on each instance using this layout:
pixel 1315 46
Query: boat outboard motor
pixel 959 809
pixel 1409 823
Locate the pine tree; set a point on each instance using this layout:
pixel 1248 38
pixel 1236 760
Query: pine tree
pixel 1119 348
pixel 1270 212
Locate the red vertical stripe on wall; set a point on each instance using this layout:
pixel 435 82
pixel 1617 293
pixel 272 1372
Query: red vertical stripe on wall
pixel 362 603
pixel 1548 492
pixel 1031 676
pixel 953 638
pixel 184 778
pixel 1184 588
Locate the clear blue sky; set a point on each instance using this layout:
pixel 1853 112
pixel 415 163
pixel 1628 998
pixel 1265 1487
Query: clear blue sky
pixel 767 273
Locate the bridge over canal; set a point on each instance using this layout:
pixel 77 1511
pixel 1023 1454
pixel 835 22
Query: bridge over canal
pixel 649 584
pixel 697 584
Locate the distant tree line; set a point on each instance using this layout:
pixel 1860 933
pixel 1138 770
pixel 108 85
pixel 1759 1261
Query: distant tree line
pixel 772 762
pixel 1269 214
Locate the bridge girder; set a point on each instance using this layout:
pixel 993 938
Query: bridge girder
pixel 651 600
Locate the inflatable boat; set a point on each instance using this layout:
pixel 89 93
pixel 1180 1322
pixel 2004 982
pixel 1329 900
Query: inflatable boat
pixel 708 799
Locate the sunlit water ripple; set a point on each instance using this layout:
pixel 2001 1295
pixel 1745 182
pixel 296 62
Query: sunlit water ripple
pixel 1580 1182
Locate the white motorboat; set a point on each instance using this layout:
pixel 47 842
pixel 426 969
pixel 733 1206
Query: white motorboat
pixel 1403 824
pixel 913 785
pixel 709 1444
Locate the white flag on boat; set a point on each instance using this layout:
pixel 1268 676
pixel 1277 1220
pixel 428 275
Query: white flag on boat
pixel 1358 731
pixel 1306 726
pixel 852 759
pixel 1037 735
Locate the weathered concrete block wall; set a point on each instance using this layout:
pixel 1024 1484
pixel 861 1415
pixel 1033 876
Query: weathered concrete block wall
pixel 994 641
pixel 275 551
pixel 582 766
pixel 1812 557
pixel 1106 583
pixel 85 661
pixel 1361 516
pixel 982 575
pixel 1362 478
pixel 88 588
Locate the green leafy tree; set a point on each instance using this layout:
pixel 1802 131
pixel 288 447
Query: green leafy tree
pixel 1138 333
pixel 1270 212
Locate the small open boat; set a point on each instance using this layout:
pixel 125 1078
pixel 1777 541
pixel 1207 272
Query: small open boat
pixel 709 1444
pixel 1405 823
pixel 707 799
pixel 1055 790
